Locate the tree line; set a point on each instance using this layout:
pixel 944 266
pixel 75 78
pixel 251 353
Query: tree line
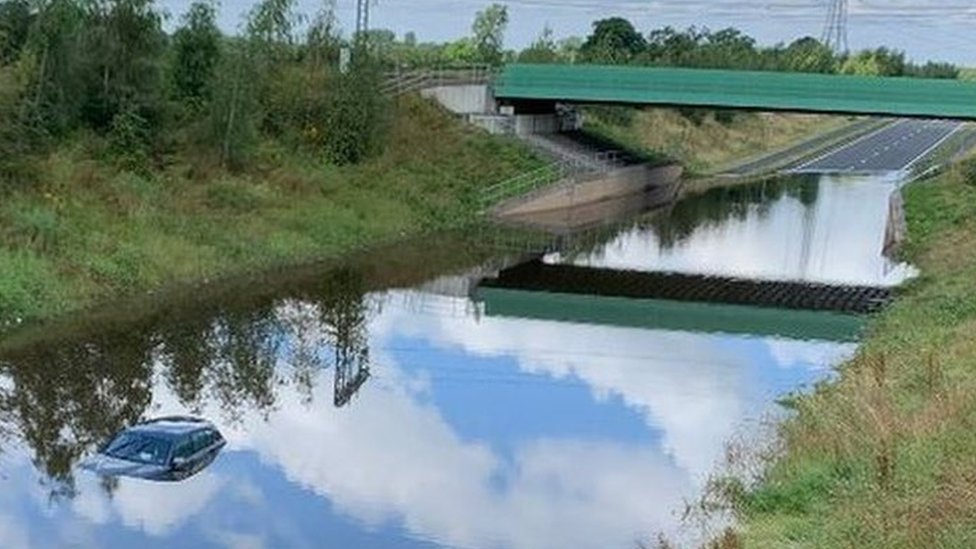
pixel 615 40
pixel 107 68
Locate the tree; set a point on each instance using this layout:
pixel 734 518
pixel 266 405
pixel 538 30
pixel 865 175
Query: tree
pixel 543 50
pixel 356 115
pixel 15 21
pixel 809 55
pixel 197 45
pixel 122 46
pixel 322 42
pixel 460 51
pixel 879 62
pixel 54 64
pixel 269 51
pixel 613 40
pixel 934 70
pixel 568 49
pixel 488 33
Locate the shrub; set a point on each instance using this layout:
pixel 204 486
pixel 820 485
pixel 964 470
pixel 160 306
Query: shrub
pixel 27 286
pixel 967 171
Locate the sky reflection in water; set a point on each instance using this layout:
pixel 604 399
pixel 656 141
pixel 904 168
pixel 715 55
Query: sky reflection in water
pixel 496 432
pixel 833 232
pixel 472 430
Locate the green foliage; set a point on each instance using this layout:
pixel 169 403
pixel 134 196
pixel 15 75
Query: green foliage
pixel 55 64
pixel 967 171
pixel 879 62
pixel 197 54
pixel 933 69
pixel 28 285
pixel 488 33
pixel 614 40
pixel 123 45
pixel 16 136
pixel 356 116
pixel 15 21
pixel 234 112
pixel 95 230
pixel 542 50
pixel 33 226
pixel 809 55
pixel 130 140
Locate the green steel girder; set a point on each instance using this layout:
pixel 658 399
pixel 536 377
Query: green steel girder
pixel 753 90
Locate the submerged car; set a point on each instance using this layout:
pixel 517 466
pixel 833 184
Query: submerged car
pixel 168 448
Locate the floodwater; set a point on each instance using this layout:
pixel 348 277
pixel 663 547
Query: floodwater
pixel 390 402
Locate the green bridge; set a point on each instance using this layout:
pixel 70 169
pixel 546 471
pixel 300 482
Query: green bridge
pixel 529 87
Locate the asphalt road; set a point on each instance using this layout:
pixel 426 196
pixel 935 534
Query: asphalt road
pixel 893 148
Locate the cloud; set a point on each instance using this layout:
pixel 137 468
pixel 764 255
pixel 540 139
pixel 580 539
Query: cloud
pixel 393 459
pixel 838 240
pixel 153 507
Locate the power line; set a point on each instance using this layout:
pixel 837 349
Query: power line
pixel 835 29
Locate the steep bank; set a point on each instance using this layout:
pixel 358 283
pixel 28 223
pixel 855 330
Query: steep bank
pixel 885 456
pixel 702 141
pixel 90 231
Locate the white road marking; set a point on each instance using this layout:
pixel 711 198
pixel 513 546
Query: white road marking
pixel 929 150
pixel 847 146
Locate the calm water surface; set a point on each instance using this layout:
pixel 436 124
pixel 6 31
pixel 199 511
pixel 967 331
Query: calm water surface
pixel 363 409
pixel 832 232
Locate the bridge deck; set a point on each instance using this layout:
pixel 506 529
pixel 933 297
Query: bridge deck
pixel 906 97
pixel 567 279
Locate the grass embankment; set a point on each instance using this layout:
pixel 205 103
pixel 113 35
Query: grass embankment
pixel 704 144
pixel 90 231
pixel 885 456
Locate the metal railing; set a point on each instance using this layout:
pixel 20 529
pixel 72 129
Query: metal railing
pixel 399 82
pixel 570 170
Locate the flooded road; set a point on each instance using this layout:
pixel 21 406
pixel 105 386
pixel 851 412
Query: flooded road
pixel 391 402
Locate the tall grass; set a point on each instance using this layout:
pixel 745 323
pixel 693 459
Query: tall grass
pixel 91 230
pixel 885 457
pixel 706 144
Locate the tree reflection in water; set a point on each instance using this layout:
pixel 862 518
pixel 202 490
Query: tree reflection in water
pixel 62 400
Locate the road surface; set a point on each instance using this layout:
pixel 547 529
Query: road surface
pixel 893 148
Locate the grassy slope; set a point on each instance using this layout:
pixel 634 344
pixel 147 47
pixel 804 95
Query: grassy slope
pixel 886 456
pixel 92 231
pixel 712 145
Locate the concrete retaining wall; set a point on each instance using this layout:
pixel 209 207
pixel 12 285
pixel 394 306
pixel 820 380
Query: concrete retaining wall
pixel 462 99
pixel 616 183
pixel 529 124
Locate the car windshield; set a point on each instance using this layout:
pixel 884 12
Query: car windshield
pixel 138 447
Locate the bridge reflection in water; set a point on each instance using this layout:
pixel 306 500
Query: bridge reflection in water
pixel 462 423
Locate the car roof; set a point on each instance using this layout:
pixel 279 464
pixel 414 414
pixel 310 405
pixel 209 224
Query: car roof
pixel 171 427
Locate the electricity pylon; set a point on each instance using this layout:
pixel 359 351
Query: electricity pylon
pixel 362 18
pixel 835 30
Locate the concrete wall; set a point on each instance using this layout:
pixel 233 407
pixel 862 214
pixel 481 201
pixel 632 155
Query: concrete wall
pixel 616 183
pixel 493 123
pixel 462 99
pixel 528 124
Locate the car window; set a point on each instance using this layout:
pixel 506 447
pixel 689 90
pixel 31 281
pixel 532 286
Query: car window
pixel 201 440
pixel 184 449
pixel 139 447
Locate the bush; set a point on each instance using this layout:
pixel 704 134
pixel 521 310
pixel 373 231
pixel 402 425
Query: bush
pixel 36 226
pixel 27 286
pixel 129 140
pixel 357 117
pixel 967 171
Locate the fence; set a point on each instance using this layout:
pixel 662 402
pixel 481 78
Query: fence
pixel 400 81
pixel 570 169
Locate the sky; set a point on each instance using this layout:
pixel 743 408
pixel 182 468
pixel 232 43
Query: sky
pixel 470 433
pixel 925 29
